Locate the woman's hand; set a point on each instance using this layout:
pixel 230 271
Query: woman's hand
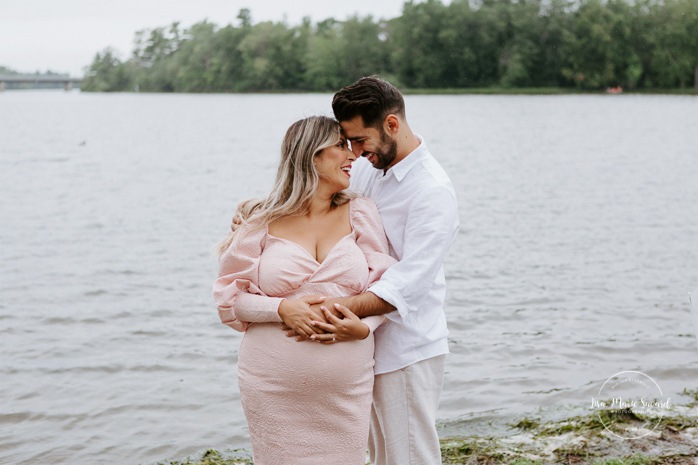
pixel 349 328
pixel 298 316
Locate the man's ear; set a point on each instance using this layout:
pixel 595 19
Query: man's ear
pixel 391 124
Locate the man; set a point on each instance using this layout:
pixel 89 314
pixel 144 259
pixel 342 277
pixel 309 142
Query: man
pixel 418 206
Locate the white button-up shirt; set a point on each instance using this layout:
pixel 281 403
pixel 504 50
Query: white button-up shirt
pixel 418 206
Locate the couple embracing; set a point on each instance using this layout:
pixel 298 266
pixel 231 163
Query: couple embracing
pixel 337 280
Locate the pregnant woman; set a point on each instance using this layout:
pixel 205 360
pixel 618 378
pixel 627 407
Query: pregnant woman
pixel 305 402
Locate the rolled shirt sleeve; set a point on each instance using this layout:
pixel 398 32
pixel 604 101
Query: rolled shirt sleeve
pixel 431 228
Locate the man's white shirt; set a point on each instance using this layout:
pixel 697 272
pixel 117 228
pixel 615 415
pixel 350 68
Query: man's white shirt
pixel 419 210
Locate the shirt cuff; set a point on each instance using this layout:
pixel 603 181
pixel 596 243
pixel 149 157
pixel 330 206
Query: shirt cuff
pixel 373 321
pixel 254 308
pixel 392 296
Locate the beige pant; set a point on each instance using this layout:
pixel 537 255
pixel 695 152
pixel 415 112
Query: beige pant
pixel 403 418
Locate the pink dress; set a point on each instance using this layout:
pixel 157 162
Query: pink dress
pixel 306 403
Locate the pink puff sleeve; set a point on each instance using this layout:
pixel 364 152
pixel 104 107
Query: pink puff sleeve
pixel 238 275
pixel 371 239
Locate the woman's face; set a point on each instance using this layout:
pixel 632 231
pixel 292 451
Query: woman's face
pixel 333 164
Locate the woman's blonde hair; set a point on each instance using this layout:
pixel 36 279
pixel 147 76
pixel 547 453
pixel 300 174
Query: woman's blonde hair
pixel 296 177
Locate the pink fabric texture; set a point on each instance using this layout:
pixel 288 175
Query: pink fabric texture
pixel 305 403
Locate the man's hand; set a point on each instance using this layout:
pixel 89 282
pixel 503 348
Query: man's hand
pixel 237 219
pixel 298 316
pixel 361 305
pixel 327 305
pixel 348 328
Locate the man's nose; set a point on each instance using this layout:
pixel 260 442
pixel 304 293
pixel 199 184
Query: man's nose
pixel 356 150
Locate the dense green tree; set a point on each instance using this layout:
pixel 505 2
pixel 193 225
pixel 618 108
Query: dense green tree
pixel 272 58
pixel 208 60
pixel 553 53
pixel 153 45
pixel 107 73
pixel 363 50
pixel 151 55
pixel 473 38
pixel 588 44
pixel 520 56
pixel 342 52
pixel 422 52
pixel 323 62
pixel 673 39
pixel 601 46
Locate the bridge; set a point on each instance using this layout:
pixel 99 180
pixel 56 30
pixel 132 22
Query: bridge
pixel 37 81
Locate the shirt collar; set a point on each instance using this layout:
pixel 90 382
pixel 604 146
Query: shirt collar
pixel 404 166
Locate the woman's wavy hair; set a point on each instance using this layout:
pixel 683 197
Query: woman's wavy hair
pixel 296 177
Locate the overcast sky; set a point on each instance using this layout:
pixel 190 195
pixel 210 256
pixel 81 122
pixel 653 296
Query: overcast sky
pixel 64 35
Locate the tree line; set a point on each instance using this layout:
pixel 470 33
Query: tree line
pixel 577 44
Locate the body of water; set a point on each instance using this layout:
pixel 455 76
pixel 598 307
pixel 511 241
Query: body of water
pixel 578 246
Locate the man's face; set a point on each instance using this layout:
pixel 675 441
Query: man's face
pixel 374 144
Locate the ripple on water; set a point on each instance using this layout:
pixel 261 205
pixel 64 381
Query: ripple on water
pixel 95 292
pixel 107 321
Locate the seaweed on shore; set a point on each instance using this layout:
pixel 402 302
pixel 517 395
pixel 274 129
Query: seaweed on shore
pixel 212 457
pixel 580 440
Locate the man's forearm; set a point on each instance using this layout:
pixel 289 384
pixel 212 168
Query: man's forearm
pixel 365 304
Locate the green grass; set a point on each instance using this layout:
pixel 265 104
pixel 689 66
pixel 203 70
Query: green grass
pixel 527 424
pixel 540 91
pixel 693 394
pixel 211 457
pixel 580 440
pixel 637 459
pixel 493 91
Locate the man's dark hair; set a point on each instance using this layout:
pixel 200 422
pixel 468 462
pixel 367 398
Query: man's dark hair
pixel 371 97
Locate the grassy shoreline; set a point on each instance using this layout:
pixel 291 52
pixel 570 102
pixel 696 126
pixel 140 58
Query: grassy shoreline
pixel 457 91
pixel 578 440
pixel 542 91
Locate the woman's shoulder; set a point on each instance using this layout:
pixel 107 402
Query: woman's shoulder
pixel 255 226
pixel 364 214
pixel 362 205
pixel 252 233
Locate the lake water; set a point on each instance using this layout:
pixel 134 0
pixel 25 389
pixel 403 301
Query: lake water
pixel 578 247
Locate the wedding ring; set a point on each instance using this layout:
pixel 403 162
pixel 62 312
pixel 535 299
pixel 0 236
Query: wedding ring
pixel 333 337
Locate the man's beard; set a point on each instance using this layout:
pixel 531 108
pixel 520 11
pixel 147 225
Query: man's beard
pixel 386 153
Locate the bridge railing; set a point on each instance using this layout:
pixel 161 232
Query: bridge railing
pixel 38 81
